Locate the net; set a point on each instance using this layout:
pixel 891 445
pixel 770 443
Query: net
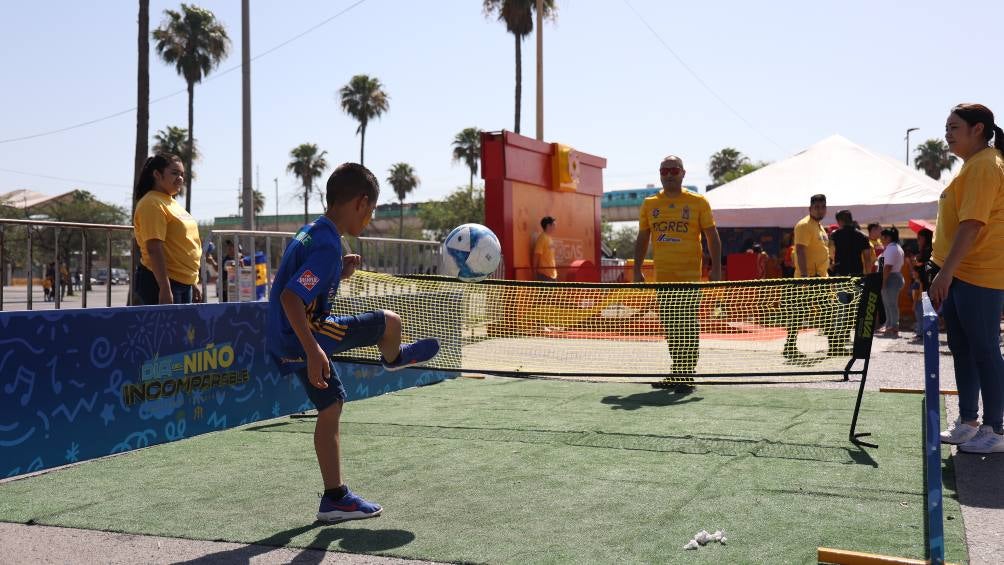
pixel 744 330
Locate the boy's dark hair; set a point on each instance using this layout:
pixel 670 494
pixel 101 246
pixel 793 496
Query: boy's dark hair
pixel 845 216
pixel 348 181
pixel 892 233
pixel 817 198
pixel 546 221
pixel 157 162
pixel 873 225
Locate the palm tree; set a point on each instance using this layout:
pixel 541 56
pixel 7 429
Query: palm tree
pixel 142 89
pixel 725 161
pixel 142 113
pixel 403 179
pixel 518 18
pixel 175 140
pixel 307 164
pixel 467 149
pixel 258 200
pixel 195 43
pixel 933 157
pixel 363 98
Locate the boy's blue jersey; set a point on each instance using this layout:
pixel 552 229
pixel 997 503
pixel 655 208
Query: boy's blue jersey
pixel 311 268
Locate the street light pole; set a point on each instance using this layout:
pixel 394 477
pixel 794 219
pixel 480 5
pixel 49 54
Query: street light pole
pixel 276 179
pixel 908 145
pixel 540 70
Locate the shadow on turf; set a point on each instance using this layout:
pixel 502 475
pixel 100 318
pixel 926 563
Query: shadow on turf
pixel 977 479
pixel 650 398
pixel 353 540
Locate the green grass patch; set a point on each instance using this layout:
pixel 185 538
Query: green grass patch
pixel 508 471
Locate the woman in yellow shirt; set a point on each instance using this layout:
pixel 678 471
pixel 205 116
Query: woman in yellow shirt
pixel 968 256
pixel 167 235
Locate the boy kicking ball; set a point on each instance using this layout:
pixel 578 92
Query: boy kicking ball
pixel 303 335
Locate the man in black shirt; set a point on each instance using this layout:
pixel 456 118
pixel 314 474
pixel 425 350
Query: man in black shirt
pixel 852 251
pixel 851 248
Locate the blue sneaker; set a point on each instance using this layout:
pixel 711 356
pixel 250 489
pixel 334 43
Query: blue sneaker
pixel 413 354
pixel 349 507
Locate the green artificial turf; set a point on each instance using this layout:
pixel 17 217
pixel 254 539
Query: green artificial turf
pixel 508 471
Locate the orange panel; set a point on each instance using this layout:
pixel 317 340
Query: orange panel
pixel 574 233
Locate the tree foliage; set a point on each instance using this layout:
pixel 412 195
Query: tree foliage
pixel 463 205
pixel 620 240
pixel 933 157
pixel 725 161
pixel 174 140
pixel 744 169
pixel 364 99
pixel 467 149
pixel 195 42
pixel 518 17
pixel 308 163
pixel 79 206
pixel 404 180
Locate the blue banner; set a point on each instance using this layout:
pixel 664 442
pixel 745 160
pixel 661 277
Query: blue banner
pixel 79 384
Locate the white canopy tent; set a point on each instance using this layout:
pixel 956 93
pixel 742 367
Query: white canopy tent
pixel 875 188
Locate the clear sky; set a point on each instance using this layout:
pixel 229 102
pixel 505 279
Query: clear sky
pixel 769 78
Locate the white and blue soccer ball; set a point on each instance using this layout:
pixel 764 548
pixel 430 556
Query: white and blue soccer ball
pixel 471 253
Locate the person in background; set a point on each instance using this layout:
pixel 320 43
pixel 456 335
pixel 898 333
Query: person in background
pixel 49 282
pixel 892 281
pixel 967 259
pixel 787 257
pixel 852 251
pixel 922 280
pixel 544 267
pixel 761 260
pixel 875 238
pixel 167 235
pixel 229 254
pixel 812 259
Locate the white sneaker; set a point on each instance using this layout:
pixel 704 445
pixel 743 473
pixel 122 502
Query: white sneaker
pixel 959 433
pixel 986 441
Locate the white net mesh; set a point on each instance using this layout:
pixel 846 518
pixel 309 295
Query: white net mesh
pixel 736 330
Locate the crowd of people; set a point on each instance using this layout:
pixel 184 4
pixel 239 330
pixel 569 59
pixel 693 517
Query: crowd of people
pixel 960 266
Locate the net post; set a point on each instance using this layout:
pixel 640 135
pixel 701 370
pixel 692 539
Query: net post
pixel 864 333
pixel 854 435
pixel 934 534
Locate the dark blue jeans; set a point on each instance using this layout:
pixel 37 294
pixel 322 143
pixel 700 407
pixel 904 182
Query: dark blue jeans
pixel 147 291
pixel 972 317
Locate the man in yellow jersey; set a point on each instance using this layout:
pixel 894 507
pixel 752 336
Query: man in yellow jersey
pixel 677 221
pixel 544 267
pixel 812 259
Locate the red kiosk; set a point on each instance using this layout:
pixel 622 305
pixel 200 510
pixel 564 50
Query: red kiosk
pixel 525 180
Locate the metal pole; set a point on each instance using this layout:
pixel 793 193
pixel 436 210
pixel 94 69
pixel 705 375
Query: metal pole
pixel 248 199
pixel 57 282
pixel 108 283
pixel 220 268
pixel 908 145
pixel 540 70
pixel 276 179
pixel 85 276
pixel 31 274
pixel 268 265
pixel 3 271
